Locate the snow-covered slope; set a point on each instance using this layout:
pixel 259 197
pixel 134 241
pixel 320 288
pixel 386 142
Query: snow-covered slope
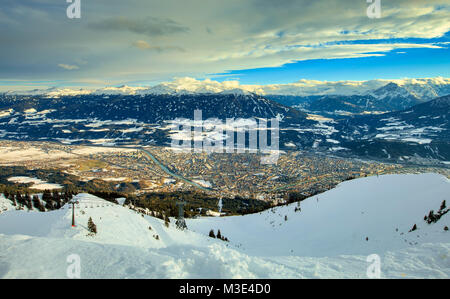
pixel 116 224
pixel 36 245
pixel 327 238
pixel 338 221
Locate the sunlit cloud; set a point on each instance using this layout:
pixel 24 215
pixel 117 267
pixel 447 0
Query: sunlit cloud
pixel 68 66
pixel 135 40
pixel 143 45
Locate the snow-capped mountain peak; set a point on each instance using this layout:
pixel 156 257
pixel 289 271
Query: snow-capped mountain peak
pixel 424 89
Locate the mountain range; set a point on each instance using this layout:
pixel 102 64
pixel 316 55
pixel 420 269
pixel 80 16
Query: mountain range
pixel 395 124
pixel 426 88
pixel 331 98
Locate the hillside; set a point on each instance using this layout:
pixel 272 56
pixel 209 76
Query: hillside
pixel 422 131
pixel 327 238
pixel 338 221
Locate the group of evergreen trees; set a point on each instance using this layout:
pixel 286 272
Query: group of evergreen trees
pixel 164 203
pixel 50 200
pixel 218 236
pixel 434 217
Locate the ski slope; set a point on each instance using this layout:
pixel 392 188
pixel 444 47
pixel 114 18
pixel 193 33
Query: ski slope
pixel 339 221
pixel 326 239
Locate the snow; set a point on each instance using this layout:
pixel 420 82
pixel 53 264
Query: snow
pixel 36 183
pixel 6 113
pixel 168 181
pixel 418 140
pixel 425 88
pixel 329 140
pixel 123 90
pixel 115 179
pixel 203 183
pixel 289 144
pixel 5 204
pixel 338 221
pixel 30 111
pixel 327 238
pixel 15 154
pixel 337 148
pixel 132 130
pixel 34 153
pixel 319 118
pixel 121 200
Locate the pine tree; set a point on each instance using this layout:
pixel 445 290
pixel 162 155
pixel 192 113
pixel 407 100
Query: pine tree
pixel 56 197
pixel 166 220
pixel 37 203
pixel 46 195
pixel 91 226
pixel 28 203
pixel 19 199
pixel 211 234
pixel 219 235
pixel 49 204
pixel 12 199
pixel 431 218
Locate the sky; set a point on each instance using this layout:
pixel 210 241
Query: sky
pixel 145 42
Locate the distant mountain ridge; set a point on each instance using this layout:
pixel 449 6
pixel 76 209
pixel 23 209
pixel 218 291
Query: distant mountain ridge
pixel 426 89
pixel 421 131
pixel 322 97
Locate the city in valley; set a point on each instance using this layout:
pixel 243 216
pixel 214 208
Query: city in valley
pixel 131 172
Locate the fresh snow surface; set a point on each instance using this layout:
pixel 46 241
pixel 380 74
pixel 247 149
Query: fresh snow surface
pixel 327 238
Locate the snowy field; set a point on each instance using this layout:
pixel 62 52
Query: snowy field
pixel 330 237
pixel 9 154
pixel 36 183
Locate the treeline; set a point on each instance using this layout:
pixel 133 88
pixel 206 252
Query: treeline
pixel 52 175
pixel 163 203
pixel 243 206
pixel 109 196
pixel 197 203
pixel 70 183
pixel 50 200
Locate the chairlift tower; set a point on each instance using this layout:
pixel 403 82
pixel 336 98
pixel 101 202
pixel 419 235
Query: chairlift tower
pixel 181 223
pixel 73 202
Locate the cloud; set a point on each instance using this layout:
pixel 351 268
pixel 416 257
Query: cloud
pixel 143 45
pixel 197 37
pixel 68 66
pixel 150 26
